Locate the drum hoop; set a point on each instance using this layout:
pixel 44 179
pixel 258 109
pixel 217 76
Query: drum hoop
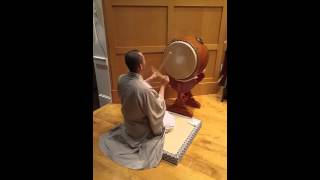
pixel 186 80
pixel 194 48
pixel 197 58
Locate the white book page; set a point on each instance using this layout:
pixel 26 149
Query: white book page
pixel 168 121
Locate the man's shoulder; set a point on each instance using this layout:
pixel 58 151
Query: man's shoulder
pixel 147 90
pixel 121 77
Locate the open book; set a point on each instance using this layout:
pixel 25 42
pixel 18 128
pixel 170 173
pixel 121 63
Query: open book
pixel 169 121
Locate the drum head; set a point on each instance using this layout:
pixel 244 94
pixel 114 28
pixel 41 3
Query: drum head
pixel 180 60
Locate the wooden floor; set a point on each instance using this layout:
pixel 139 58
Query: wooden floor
pixel 206 157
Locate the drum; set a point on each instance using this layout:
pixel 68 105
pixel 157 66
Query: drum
pixel 185 58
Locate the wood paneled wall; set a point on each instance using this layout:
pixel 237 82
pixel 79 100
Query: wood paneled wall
pixel 148 25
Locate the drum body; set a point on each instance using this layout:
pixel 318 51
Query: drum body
pixel 185 58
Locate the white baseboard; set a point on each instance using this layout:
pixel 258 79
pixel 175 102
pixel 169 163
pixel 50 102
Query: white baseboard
pixel 104 99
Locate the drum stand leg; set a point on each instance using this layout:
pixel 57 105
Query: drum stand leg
pixel 191 101
pixel 179 105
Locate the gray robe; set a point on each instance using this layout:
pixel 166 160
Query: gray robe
pixel 138 142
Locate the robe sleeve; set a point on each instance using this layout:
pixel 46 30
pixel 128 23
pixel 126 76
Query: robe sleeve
pixel 154 108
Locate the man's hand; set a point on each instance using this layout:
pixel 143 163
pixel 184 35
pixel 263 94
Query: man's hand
pixel 165 80
pixel 155 73
pixel 153 76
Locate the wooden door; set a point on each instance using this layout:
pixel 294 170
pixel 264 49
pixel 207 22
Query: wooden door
pixel 148 25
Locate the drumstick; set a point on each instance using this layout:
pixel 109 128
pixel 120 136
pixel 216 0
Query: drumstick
pixel 158 72
pixel 163 62
pixel 161 66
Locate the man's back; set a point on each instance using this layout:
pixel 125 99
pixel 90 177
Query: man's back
pixel 138 142
pixel 142 108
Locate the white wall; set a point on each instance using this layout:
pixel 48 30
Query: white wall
pixel 100 56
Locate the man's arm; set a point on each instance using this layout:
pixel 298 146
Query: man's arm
pixel 164 83
pixel 152 77
pixel 161 91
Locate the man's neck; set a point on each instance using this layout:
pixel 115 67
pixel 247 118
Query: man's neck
pixel 134 72
pixel 137 74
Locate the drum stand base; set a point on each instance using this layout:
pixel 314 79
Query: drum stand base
pixel 184 97
pixel 180 110
pixel 180 105
pixel 191 101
